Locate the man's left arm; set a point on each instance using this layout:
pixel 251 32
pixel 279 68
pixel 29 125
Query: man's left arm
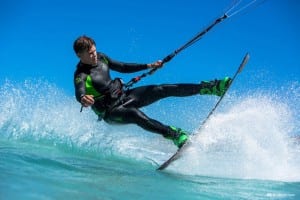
pixel 131 67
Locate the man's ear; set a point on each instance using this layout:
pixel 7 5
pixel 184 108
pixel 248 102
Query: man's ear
pixel 78 55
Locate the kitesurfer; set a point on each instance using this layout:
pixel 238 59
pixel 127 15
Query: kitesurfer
pixel 94 87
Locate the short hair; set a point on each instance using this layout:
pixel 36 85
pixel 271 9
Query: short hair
pixel 83 43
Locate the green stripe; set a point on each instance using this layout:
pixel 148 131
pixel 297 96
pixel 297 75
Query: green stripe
pixel 90 90
pixel 105 60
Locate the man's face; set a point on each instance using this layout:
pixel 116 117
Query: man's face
pixel 89 57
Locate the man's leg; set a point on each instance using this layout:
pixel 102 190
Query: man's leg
pixel 131 115
pixel 145 95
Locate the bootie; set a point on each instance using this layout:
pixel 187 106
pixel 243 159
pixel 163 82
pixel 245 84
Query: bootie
pixel 178 136
pixel 216 87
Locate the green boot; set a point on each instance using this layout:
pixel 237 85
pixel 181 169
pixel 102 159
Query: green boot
pixel 179 136
pixel 216 87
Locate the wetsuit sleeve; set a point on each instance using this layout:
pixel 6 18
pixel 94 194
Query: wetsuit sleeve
pixel 79 83
pixel 124 67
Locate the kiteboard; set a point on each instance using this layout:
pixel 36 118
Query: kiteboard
pixel 179 152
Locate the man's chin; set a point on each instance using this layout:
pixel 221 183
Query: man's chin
pixel 94 63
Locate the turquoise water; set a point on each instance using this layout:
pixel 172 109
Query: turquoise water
pixel 248 150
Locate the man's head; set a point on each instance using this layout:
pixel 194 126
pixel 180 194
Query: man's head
pixel 85 49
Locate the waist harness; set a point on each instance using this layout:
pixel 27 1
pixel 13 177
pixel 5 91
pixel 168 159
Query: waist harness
pixel 112 97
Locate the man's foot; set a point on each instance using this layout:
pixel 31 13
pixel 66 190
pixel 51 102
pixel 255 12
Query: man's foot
pixel 179 137
pixel 216 87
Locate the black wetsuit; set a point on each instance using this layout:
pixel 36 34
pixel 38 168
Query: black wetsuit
pixel 113 104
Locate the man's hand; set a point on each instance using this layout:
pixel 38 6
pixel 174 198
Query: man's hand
pixel 156 64
pixel 87 100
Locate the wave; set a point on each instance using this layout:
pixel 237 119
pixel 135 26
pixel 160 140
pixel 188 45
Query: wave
pixel 255 136
pixel 248 137
pixel 38 111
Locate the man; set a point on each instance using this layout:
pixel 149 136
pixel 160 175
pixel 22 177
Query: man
pixel 94 87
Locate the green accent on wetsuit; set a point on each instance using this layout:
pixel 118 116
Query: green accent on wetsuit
pixel 90 90
pixel 118 119
pixel 77 80
pixel 105 60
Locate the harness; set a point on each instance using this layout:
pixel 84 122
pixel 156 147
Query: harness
pixel 113 97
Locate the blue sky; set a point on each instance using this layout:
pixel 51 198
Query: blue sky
pixel 37 38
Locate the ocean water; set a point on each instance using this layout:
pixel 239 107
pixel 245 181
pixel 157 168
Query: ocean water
pixel 248 150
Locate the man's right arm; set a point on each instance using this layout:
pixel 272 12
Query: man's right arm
pixel 80 90
pixel 79 84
